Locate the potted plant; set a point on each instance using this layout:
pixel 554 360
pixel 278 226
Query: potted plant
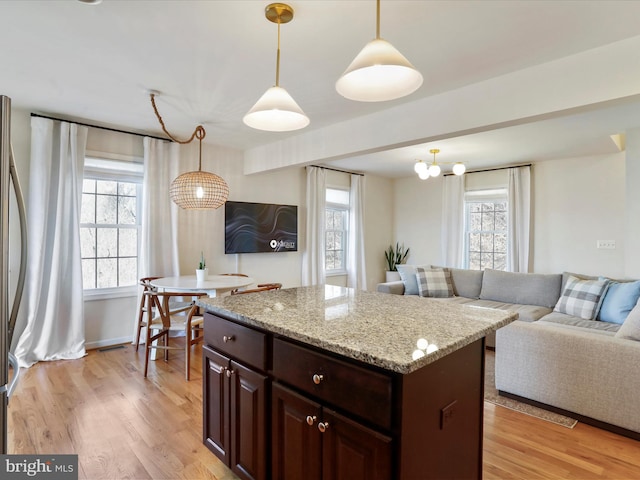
pixel 394 257
pixel 202 272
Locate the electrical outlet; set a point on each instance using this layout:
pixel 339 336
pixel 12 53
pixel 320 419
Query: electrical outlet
pixel 606 244
pixel 447 414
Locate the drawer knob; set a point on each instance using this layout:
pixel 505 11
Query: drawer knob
pixel 317 378
pixel 323 426
pixel 229 338
pixel 311 419
pixel 229 372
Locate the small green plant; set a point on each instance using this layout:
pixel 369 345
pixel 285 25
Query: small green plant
pixel 395 257
pixel 203 264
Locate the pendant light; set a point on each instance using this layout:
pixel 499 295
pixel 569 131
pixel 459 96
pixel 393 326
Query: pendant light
pixel 195 190
pixel 379 72
pixel 276 110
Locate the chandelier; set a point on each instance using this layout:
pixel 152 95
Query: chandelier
pixel 425 171
pixel 196 190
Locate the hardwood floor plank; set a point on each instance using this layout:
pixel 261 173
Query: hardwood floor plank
pixel 123 426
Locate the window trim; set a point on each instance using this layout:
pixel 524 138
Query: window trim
pixel 346 207
pixel 493 195
pixel 90 173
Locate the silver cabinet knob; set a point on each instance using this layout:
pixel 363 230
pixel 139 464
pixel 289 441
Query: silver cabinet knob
pixel 229 338
pixel 317 378
pixel 311 419
pixel 229 372
pixel 323 426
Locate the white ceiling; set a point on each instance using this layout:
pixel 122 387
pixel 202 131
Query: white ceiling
pixel 211 60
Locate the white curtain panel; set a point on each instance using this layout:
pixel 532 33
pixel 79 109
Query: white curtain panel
pixel 55 305
pixel 453 221
pixel 313 256
pixel 159 237
pixel 519 218
pixel 159 254
pixel 356 273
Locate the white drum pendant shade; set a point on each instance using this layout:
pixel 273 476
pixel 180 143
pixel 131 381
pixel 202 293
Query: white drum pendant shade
pixel 276 111
pixel 379 73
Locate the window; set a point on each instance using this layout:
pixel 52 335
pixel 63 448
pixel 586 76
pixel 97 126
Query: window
pixel 336 231
pixel 486 229
pixel 110 223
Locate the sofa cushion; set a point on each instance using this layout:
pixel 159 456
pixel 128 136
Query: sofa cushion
pixel 619 301
pixel 434 282
pixel 408 277
pixel 581 298
pixel 630 329
pixel 466 283
pixel 521 288
pixel 571 321
pixel 396 288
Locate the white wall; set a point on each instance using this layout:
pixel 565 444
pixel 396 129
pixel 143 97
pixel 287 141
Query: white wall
pixel 418 217
pixel 575 202
pixel 204 230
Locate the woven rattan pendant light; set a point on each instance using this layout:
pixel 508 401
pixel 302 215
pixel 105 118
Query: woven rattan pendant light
pixel 195 190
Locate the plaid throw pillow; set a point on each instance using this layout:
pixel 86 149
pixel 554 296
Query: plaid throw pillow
pixel 435 282
pixel 582 298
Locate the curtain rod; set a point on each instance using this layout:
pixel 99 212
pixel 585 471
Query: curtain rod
pixel 97 126
pixel 337 170
pixel 491 169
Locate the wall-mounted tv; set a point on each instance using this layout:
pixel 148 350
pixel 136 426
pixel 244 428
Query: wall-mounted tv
pixel 260 227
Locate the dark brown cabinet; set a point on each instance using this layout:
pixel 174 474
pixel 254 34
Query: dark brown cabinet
pixel 275 408
pixel 235 414
pixel 311 442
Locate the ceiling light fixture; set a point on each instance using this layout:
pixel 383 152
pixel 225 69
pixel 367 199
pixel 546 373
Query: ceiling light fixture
pixel 425 171
pixel 276 110
pixel 195 190
pixel 379 72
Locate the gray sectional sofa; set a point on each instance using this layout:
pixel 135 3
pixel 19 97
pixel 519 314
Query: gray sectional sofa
pixel 555 356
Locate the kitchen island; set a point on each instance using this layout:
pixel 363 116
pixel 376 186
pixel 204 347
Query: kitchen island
pixel 328 382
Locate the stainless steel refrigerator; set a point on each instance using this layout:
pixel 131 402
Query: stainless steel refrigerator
pixel 9 178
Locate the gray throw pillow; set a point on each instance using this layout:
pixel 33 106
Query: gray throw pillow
pixel 630 329
pixel 434 283
pixel 582 298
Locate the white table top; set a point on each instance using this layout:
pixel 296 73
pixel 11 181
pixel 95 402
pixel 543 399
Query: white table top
pixel 213 285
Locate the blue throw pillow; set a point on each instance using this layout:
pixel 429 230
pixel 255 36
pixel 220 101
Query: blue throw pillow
pixel 408 277
pixel 619 301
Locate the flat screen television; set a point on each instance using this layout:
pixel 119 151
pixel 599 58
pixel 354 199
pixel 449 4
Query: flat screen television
pixel 260 227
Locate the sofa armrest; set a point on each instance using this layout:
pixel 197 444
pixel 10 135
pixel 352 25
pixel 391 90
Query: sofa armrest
pixel 592 374
pixel 397 288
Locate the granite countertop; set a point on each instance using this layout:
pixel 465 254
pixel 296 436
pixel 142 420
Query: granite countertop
pixel 397 333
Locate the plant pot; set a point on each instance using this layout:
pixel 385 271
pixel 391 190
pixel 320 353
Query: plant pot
pixel 202 275
pixel 393 276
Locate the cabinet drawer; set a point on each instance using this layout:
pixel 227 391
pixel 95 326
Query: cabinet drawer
pixel 365 393
pixel 242 343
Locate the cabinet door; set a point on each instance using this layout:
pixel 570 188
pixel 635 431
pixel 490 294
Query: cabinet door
pixel 352 451
pixel 297 451
pixel 216 407
pixel 248 422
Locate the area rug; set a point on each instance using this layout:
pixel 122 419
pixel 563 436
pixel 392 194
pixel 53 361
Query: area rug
pixel 491 396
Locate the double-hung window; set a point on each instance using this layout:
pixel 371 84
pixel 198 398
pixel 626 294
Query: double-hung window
pixel 486 229
pixel 336 231
pixel 110 226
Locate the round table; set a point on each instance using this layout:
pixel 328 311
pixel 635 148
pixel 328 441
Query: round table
pixel 213 286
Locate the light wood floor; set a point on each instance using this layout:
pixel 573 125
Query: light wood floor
pixel 125 427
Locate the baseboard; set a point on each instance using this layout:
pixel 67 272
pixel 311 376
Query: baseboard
pixel 107 343
pixel 581 418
